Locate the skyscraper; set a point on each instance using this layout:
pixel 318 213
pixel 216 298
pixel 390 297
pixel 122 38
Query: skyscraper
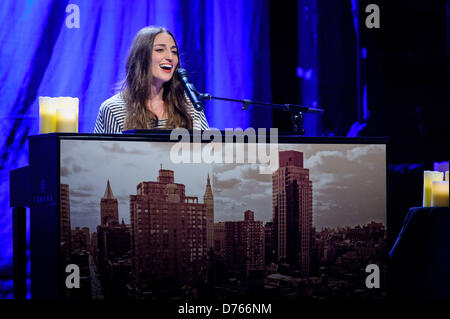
pixel 109 208
pixel 292 211
pixel 268 243
pixel 168 232
pixel 244 246
pixel 208 199
pixel 113 242
pixel 81 239
pixel 64 223
pixel 219 238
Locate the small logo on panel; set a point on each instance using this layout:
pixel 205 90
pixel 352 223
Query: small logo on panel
pixel 373 280
pixel 73 279
pixel 373 19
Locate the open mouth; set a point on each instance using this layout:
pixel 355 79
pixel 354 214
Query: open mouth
pixel 166 67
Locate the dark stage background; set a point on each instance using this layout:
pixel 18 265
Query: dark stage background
pixel 304 52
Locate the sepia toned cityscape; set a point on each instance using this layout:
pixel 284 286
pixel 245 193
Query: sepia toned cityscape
pixel 173 247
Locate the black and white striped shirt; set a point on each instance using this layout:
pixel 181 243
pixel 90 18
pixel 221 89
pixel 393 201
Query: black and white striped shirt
pixel 112 112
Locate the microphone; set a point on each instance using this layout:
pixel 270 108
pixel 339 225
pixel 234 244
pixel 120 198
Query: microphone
pixel 190 89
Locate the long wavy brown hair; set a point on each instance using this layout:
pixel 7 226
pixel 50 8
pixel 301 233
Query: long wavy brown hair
pixel 137 82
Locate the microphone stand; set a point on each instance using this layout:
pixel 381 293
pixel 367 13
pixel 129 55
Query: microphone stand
pixel 296 111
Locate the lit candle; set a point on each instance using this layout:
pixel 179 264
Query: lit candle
pixel 71 103
pixel 65 119
pixel 58 114
pixel 439 193
pixel 47 115
pixel 428 177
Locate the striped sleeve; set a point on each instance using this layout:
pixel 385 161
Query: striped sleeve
pixel 199 121
pixel 112 112
pixel 111 116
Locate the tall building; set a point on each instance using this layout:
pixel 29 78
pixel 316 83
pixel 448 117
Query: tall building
pixel 244 246
pixel 168 232
pixel 292 211
pixel 109 208
pixel 219 238
pixel 208 199
pixel 64 223
pixel 113 242
pixel 94 246
pixel 269 243
pixel 81 239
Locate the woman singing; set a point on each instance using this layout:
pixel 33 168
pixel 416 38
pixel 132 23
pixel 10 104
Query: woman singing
pixel 152 95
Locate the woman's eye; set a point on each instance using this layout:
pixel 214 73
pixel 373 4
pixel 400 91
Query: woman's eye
pixel 175 52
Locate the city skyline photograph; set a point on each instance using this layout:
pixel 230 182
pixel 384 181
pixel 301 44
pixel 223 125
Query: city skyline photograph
pixel 348 181
pixel 141 224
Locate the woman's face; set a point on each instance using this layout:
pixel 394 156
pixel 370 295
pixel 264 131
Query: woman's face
pixel 164 58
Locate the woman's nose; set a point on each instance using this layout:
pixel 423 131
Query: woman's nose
pixel 169 56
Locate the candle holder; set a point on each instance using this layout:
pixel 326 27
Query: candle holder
pixel 47 114
pixel 66 120
pixel 439 194
pixel 58 114
pixel 428 177
pixel 67 114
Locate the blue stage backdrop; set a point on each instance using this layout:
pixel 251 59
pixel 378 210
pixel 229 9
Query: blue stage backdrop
pixel 44 52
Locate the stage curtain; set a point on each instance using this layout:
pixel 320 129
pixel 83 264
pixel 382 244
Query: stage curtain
pixel 224 47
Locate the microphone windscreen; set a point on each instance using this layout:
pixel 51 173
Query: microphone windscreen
pixel 182 73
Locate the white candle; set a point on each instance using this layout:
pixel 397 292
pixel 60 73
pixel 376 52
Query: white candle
pixel 66 114
pixel 65 120
pixel 47 115
pixel 446 176
pixel 439 193
pixel 428 177
pixel 72 103
pixel 58 114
